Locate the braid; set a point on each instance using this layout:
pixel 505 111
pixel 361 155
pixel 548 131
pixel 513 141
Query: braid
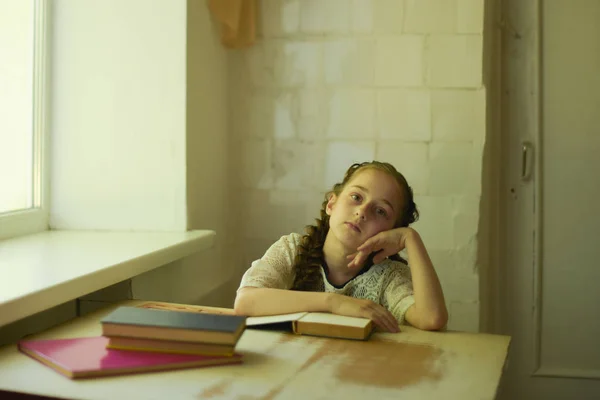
pixel 310 255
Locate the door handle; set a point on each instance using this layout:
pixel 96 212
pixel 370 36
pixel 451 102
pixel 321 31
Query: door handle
pixel 526 160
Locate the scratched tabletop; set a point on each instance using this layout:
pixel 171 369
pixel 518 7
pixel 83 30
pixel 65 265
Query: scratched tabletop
pixel 412 364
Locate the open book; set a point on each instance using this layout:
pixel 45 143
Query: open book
pixel 304 323
pixel 316 324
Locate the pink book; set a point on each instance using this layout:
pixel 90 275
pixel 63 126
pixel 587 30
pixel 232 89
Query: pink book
pixel 89 357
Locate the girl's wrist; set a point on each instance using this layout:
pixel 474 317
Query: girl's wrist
pixel 328 300
pixel 411 237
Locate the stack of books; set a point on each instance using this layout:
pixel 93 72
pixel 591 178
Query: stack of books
pixel 136 339
pixel 165 331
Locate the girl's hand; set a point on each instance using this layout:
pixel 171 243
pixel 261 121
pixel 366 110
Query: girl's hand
pixel 352 307
pixel 386 243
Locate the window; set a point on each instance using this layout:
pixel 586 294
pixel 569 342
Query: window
pixel 23 80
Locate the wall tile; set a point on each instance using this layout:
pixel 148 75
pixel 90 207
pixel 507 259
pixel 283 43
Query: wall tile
pixel 455 61
pixel 261 114
pixel 435 223
pixel 267 217
pixel 470 16
pixel 388 16
pixel 410 159
pixel 279 17
pixel 430 16
pixel 313 205
pixel 464 316
pixel 443 261
pixel 362 16
pixel 339 157
pixel 283 118
pixel 256 164
pixel 352 114
pixel 451 169
pixel 297 165
pixel 399 60
pixel 466 219
pixel 260 62
pixel 349 61
pixel 404 114
pixel 313 113
pixel 325 17
pixel 458 285
pixel 458 115
pixel 290 16
pixel 299 64
pixel 289 164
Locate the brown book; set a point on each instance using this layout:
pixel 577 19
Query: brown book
pixel 169 346
pixel 316 324
pixel 147 323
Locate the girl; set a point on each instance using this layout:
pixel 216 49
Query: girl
pixel 348 262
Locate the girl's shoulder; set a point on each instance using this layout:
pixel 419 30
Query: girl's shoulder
pixel 286 243
pixel 294 239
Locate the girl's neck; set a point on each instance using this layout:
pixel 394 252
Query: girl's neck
pixel 335 255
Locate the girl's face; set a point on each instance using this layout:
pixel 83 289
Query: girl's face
pixel 370 203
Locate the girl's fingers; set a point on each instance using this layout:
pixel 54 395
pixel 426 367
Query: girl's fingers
pixel 384 320
pixel 389 320
pixel 368 244
pixel 383 324
pixel 379 257
pixel 358 260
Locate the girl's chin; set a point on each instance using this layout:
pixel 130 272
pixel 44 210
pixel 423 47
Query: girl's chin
pixel 351 241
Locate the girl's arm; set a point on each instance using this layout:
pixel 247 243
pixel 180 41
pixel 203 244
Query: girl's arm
pixel 252 301
pixel 429 311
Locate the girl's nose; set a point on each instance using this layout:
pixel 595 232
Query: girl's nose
pixel 361 212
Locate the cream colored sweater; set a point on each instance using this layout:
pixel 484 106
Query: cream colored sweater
pixel 388 283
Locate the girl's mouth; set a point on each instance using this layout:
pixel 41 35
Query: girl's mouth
pixel 353 227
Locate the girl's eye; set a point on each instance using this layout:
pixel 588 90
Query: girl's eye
pixel 382 212
pixel 355 197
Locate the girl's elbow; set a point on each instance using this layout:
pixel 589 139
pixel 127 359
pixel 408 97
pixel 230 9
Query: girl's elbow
pixel 429 321
pixel 435 322
pixel 243 302
pixel 240 305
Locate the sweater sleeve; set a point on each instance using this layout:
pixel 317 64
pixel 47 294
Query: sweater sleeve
pixel 275 269
pixel 398 293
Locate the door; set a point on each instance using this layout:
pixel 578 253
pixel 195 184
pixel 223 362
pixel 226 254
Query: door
pixel 551 191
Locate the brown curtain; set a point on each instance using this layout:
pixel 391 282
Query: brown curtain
pixel 237 19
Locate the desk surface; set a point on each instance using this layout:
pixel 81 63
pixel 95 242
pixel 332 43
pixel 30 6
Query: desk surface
pixel 411 364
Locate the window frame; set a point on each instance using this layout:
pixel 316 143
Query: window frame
pixel 36 218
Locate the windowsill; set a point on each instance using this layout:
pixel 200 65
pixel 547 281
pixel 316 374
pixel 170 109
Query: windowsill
pixel 41 271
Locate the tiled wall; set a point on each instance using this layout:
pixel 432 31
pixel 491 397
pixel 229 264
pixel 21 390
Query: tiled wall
pixel 340 81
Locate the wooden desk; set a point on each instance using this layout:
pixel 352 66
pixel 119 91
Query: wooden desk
pixel 412 364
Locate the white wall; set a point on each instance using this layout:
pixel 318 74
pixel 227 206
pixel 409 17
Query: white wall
pixel 139 133
pixel 118 131
pixel 336 82
pixel 204 278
